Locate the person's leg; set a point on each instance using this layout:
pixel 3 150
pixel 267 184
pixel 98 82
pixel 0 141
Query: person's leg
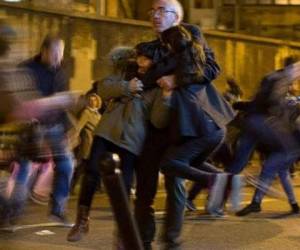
pixel 292 170
pixel 198 186
pixel 178 159
pixel 89 184
pixel 78 171
pixel 42 188
pixel 175 203
pixel 23 173
pixel 272 164
pixel 146 188
pixel 61 185
pixel 128 164
pixel 286 182
pixel 63 161
pixel 19 193
pixel 176 167
pixel 92 176
pixel 223 154
pixel 195 190
pixel 269 135
pixel 244 149
pixel 147 173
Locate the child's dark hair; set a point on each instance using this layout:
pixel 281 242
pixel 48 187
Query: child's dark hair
pixel 178 38
pixel 142 49
pixel 147 50
pixel 189 52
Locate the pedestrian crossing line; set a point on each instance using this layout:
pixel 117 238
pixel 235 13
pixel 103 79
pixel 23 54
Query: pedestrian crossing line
pixel 14 228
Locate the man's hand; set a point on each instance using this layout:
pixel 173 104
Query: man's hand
pixel 167 83
pixel 135 85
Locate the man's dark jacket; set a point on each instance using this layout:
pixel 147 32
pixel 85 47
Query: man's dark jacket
pixel 48 81
pixel 195 97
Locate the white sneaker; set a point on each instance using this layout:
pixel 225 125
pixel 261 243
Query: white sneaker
pixel 216 195
pixel 237 183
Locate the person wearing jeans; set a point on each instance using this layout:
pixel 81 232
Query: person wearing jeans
pixel 50 79
pixel 177 167
pixel 282 152
pixel 63 161
pixel 270 121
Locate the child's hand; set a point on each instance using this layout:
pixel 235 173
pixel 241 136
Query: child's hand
pixel 135 85
pixel 167 82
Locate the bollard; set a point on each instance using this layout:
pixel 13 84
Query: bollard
pixel 112 179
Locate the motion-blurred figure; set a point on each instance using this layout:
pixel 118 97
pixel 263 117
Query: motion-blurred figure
pixel 50 80
pixel 270 121
pixel 233 93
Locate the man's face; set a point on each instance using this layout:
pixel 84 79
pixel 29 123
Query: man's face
pixel 162 15
pixel 54 54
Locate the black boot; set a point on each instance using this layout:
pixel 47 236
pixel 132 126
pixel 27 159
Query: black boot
pixel 295 208
pixel 81 226
pixel 253 207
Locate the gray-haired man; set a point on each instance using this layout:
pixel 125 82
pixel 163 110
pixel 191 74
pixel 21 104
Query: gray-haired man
pixel 163 14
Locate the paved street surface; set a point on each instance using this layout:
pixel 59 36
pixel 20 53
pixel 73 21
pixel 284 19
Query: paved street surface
pixel 270 229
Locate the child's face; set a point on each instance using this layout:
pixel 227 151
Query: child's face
pixel 294 88
pixel 93 102
pixel 144 64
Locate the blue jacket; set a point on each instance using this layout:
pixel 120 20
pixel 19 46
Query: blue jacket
pixel 48 81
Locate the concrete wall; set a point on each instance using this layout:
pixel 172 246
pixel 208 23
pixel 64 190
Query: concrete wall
pixel 88 42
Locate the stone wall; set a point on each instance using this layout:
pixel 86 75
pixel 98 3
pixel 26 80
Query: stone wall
pixel 88 41
pixel 249 58
pixel 271 21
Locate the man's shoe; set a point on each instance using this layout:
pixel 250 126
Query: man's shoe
pixel 58 217
pixel 251 208
pixel 295 208
pixel 190 205
pixel 218 213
